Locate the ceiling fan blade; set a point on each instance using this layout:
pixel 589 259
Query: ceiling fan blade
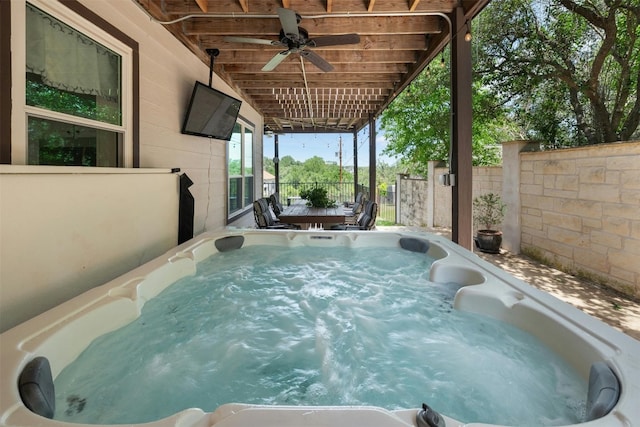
pixel 317 60
pixel 289 22
pixel 233 39
pixel 276 60
pixel 334 40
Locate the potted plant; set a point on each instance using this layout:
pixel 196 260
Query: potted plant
pixel 488 212
pixel 317 198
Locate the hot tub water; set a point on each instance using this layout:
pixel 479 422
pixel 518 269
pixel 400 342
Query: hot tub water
pixel 317 326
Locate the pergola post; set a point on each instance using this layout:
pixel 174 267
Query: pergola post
pixel 355 164
pixel 461 110
pixel 372 157
pixel 276 162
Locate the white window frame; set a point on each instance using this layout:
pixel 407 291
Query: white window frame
pixel 244 124
pixel 21 112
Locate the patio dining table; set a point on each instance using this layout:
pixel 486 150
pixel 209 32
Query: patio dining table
pixel 306 216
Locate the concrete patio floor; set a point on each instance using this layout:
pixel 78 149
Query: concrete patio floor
pixel 608 305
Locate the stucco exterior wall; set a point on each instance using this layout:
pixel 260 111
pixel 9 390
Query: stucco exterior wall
pixel 168 71
pixel 69 230
pixel 581 211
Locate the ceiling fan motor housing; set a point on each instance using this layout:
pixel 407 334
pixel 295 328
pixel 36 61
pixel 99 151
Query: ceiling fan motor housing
pixel 295 42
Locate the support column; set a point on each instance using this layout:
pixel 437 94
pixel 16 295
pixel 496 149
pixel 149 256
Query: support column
pixel 461 110
pixel 372 158
pixel 511 226
pixel 276 162
pixel 431 192
pixel 355 165
pixel 399 198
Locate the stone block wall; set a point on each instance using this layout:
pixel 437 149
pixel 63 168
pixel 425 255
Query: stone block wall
pixel 580 210
pixel 442 200
pixel 577 209
pixel 485 180
pixel 412 206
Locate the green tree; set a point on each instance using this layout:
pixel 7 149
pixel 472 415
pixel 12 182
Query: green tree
pixel 268 165
pixel 569 68
pixel 287 161
pixel 417 123
pixel 314 169
pixel 387 174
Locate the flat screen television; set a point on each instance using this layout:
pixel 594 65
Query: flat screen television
pixel 211 113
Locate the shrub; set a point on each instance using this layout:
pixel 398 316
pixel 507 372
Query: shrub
pixel 317 198
pixel 488 211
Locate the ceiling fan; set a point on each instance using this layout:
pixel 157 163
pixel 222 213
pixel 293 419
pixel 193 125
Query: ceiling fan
pixel 296 40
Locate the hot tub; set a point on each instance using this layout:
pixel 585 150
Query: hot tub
pixel 608 359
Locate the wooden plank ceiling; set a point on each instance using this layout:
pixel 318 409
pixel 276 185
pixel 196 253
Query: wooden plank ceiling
pixel 397 39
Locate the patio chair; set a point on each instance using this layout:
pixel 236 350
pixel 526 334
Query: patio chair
pixel 264 206
pixel 277 207
pixel 264 218
pixel 359 200
pixel 352 214
pixel 366 220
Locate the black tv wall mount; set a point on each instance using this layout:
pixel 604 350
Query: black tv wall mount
pixel 212 53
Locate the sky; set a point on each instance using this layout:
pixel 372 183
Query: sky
pixel 304 146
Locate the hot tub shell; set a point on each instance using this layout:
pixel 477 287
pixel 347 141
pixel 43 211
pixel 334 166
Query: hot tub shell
pixel 63 332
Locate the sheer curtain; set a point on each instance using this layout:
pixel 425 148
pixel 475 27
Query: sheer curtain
pixel 68 60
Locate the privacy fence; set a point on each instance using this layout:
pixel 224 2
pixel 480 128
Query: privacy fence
pixel 577 209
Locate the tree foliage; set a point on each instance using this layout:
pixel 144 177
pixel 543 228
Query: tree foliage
pixel 314 169
pixel 417 123
pixel 570 69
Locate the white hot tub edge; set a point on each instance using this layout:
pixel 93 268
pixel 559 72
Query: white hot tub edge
pixel 579 338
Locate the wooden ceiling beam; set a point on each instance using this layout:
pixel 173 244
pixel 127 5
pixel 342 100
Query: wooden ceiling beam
pixel 202 4
pixel 335 57
pixel 303 113
pixel 322 106
pixel 396 42
pixel 321 101
pixel 317 27
pixel 306 7
pixel 293 67
pixel 326 78
pixel 269 84
pixel 271 94
pixel 327 111
pixel 321 109
pixel 367 42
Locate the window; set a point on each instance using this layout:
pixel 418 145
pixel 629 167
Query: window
pixel 76 96
pixel 240 168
